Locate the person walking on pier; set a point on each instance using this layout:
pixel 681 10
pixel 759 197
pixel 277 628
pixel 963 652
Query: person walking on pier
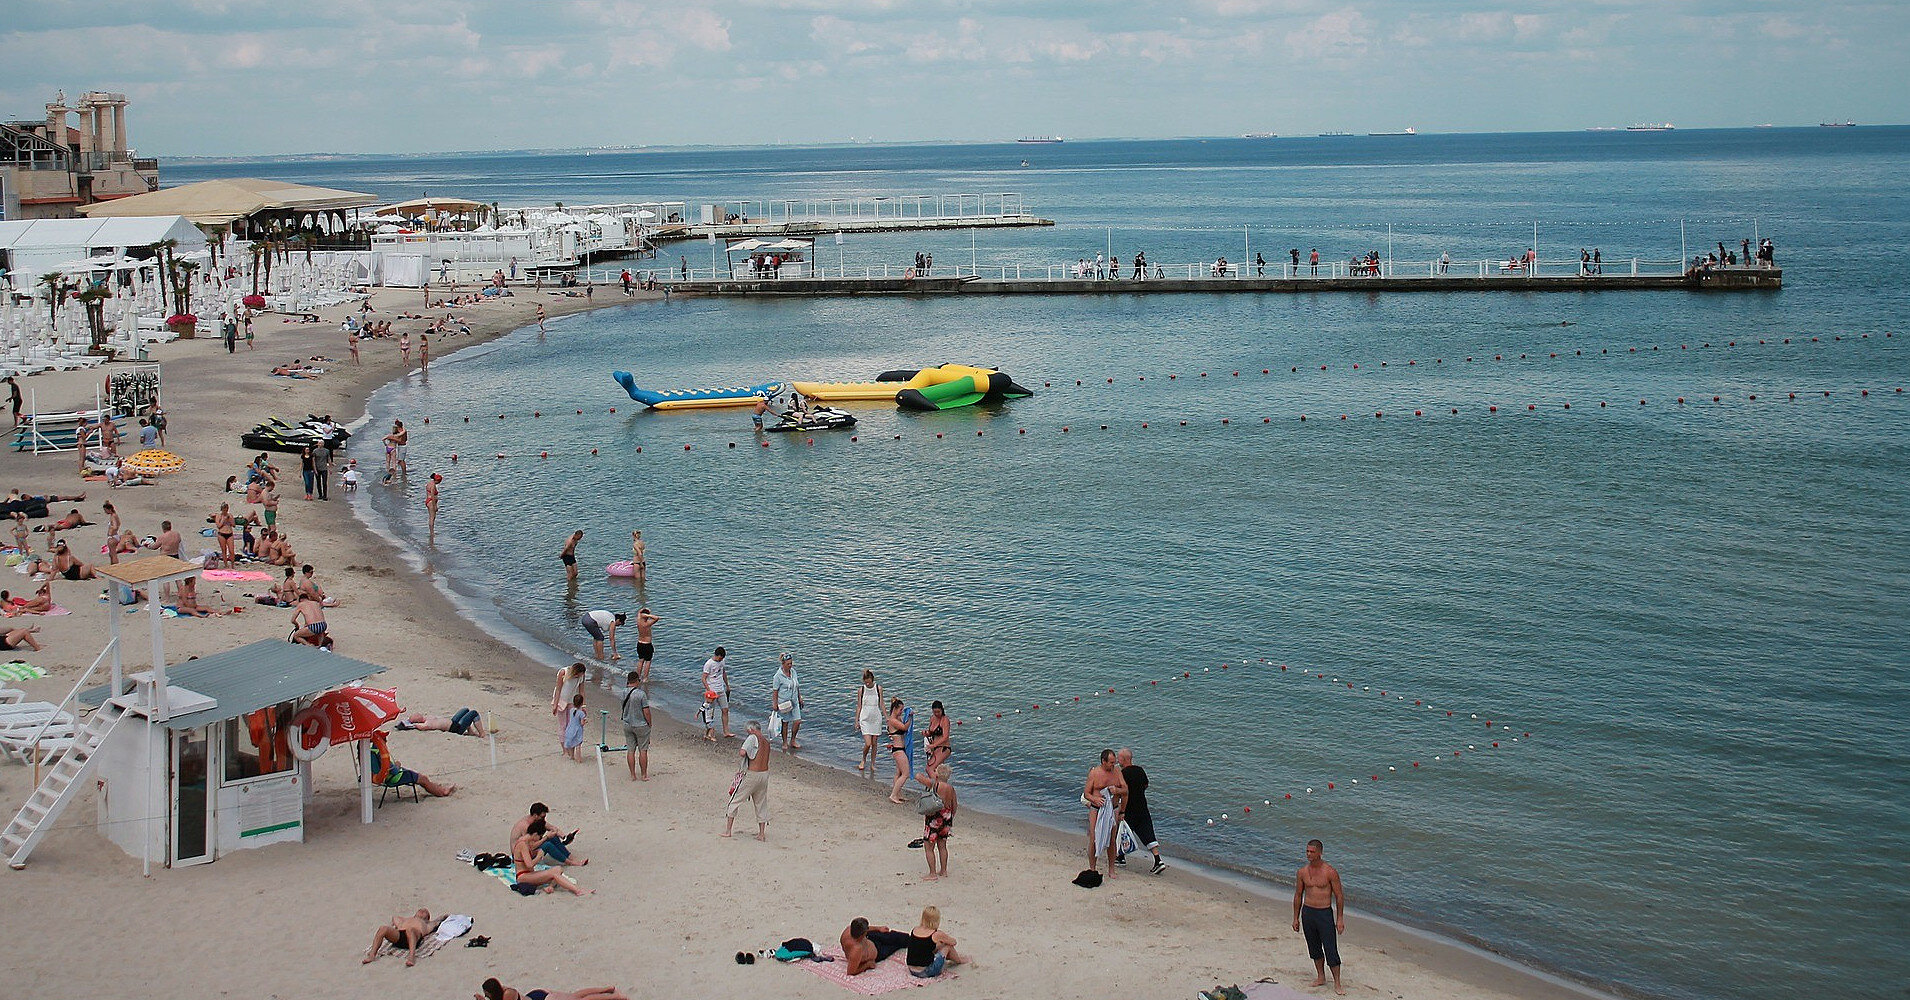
pixel 1140 266
pixel 1445 262
pixel 1598 261
pixel 1294 254
pixel 1259 265
pixel 1100 267
pixel 1114 268
pixel 1314 260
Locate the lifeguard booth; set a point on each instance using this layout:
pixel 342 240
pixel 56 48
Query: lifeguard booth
pixel 192 760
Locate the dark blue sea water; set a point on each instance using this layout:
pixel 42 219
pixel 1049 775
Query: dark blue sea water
pixel 1697 611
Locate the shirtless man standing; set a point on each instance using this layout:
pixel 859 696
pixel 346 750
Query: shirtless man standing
pixel 1105 796
pixel 1319 909
pixel 646 651
pixel 569 556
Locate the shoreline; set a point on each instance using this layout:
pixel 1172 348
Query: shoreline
pixel 1215 876
pixel 828 858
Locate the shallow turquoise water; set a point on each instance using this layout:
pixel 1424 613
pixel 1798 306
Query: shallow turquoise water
pixel 1697 611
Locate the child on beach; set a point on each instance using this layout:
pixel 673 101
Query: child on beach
pixel 351 477
pixel 574 728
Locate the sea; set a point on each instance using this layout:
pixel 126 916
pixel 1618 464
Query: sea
pixel 1577 625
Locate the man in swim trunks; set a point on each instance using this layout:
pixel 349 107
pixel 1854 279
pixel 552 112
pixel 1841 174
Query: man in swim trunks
pixel 403 932
pixel 864 947
pixel 1319 910
pixel 308 620
pixel 569 558
pixel 756 413
pixel 645 650
pixel 1105 794
pixel 602 626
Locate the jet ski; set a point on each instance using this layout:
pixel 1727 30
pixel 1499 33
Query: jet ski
pixel 277 435
pixel 818 418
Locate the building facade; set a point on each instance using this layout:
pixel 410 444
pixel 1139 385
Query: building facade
pixel 48 168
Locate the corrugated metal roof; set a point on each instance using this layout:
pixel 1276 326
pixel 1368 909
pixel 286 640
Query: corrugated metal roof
pixel 252 677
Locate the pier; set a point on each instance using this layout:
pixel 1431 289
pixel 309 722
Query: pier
pixel 1019 281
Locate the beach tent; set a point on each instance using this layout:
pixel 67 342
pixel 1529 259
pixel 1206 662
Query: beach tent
pixel 32 247
pixel 224 202
pixel 421 206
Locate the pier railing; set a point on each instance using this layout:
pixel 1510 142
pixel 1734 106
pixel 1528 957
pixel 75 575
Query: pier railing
pixel 1233 271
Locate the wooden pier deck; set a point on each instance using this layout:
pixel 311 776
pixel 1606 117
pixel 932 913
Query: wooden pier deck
pixel 1718 280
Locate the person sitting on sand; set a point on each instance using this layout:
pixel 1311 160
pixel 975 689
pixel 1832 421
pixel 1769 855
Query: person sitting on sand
pixel 189 606
pixel 19 638
pixel 403 932
pixel 931 948
pixel 864 947
pixel 524 854
pixel 463 722
pixel 494 990
pixel 283 594
pixel 40 603
pixel 555 848
pixel 70 566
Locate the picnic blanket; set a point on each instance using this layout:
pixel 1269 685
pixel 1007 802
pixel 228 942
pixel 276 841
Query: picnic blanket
pixel 889 975
pixel 456 924
pixel 53 612
pixel 507 874
pixel 20 670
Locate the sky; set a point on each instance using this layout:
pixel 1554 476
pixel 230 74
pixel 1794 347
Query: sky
pixel 239 77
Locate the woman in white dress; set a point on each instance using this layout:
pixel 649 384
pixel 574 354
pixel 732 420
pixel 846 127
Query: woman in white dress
pixel 868 718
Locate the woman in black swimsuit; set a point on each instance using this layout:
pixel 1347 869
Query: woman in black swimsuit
pixel 898 749
pixel 938 744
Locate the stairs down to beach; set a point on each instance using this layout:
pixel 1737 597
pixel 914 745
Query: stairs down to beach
pixel 59 786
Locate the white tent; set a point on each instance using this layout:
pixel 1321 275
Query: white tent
pixel 32 247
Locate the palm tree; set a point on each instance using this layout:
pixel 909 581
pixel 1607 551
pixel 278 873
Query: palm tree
pixel 182 292
pixel 56 288
pixel 94 298
pixel 162 251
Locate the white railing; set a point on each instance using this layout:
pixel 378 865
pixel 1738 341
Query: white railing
pixel 870 208
pixel 64 709
pixel 1214 271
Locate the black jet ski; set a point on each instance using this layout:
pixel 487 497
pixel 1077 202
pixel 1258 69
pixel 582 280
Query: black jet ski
pixel 819 418
pixel 277 435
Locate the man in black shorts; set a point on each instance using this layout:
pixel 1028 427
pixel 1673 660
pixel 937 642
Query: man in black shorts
pixel 569 556
pixel 1319 911
pixel 645 651
pixel 1136 816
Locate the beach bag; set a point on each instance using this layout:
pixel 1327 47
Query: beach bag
pixel 1088 879
pixel 775 723
pixel 736 782
pixel 929 804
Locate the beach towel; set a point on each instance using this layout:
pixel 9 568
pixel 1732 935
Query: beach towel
pixel 20 670
pixel 507 874
pixel 455 926
pixel 889 975
pixel 235 575
pixel 1104 823
pixel 1267 990
pixel 53 612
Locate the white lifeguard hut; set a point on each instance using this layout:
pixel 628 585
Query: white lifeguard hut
pixel 192 759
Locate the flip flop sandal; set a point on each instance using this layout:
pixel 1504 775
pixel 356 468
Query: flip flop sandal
pixel 466 857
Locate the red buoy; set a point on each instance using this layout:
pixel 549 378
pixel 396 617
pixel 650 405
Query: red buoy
pixel 543 454
pixel 1492 409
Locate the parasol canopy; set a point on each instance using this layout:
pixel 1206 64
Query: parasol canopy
pixel 152 462
pixel 352 712
pixel 419 206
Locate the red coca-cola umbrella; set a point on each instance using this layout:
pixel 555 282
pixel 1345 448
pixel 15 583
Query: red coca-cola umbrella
pixel 352 712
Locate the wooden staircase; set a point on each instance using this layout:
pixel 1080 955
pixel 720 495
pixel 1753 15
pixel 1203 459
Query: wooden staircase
pixel 59 786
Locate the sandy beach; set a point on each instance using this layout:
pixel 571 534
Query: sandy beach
pixel 673 900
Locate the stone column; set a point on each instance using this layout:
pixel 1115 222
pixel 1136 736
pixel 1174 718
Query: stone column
pixel 89 130
pixel 119 126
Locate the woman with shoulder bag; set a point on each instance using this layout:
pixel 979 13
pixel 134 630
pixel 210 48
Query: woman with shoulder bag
pixel 937 806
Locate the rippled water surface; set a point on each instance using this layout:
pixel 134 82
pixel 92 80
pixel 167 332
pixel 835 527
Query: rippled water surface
pixel 1697 611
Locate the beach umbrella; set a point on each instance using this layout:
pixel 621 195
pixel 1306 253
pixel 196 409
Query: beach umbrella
pixel 352 712
pixel 152 462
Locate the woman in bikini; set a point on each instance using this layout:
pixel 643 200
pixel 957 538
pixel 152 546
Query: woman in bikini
pixel 938 742
pixel 898 749
pixel 68 565
pixel 868 719
pixel 524 860
pixel 222 524
pixel 20 637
